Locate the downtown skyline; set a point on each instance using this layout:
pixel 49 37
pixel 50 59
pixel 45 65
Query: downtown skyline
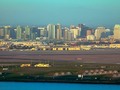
pixel 58 32
pixel 93 13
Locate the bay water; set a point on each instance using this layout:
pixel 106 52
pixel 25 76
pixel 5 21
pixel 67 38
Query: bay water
pixel 55 86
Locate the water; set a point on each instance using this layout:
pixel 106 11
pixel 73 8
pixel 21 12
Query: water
pixel 55 86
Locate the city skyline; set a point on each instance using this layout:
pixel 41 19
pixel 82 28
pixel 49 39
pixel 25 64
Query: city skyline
pixel 57 32
pixel 93 13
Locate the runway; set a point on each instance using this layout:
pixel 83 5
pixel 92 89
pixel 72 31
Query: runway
pixel 92 56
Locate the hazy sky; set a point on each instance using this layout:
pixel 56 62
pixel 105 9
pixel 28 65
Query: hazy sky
pixel 66 12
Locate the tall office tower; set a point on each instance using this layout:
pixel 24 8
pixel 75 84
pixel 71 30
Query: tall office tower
pixel 58 32
pixel 76 32
pixel 51 31
pixel 6 32
pixel 27 33
pixel 1 33
pixel 43 31
pixel 12 33
pixel 66 34
pixel 84 29
pixel 70 36
pixel 80 31
pixel 99 32
pixel 117 32
pixel 19 33
pixel 89 32
pixel 35 32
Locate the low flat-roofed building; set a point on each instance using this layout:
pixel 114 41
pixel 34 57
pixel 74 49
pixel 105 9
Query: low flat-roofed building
pixel 25 65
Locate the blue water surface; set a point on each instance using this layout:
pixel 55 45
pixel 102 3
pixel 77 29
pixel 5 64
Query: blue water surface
pixel 55 86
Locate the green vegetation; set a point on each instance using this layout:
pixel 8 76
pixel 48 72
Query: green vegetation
pixel 61 71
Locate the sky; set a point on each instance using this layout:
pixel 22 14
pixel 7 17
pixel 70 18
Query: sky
pixel 66 12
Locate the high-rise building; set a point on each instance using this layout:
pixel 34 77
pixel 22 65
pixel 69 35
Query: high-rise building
pixel 89 32
pixel 27 33
pixel 80 31
pixel 58 32
pixel 1 33
pixel 43 31
pixel 13 33
pixel 76 32
pixel 51 31
pixel 84 29
pixel 35 32
pixel 70 36
pixel 19 33
pixel 66 34
pixel 99 32
pixel 6 32
pixel 117 32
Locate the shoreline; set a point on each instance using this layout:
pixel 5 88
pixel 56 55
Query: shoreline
pixel 64 82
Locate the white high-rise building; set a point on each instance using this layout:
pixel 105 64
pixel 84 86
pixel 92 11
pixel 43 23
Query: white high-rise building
pixel 98 32
pixel 76 32
pixel 19 33
pixel 27 32
pixel 58 33
pixel 51 31
pixel 117 32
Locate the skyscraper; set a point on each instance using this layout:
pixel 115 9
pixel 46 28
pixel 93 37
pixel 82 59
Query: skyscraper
pixel 76 32
pixel 43 31
pixel 70 36
pixel 89 32
pixel 19 33
pixel 58 32
pixel 83 29
pixel 27 33
pixel 117 32
pixel 66 34
pixel 35 32
pixel 1 33
pixel 51 31
pixel 6 32
pixel 98 32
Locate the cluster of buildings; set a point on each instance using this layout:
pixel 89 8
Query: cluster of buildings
pixel 99 72
pixel 50 32
pixel 41 65
pixel 58 32
pixel 89 73
pixel 48 37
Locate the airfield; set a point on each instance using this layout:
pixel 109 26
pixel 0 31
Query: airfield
pixel 93 66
